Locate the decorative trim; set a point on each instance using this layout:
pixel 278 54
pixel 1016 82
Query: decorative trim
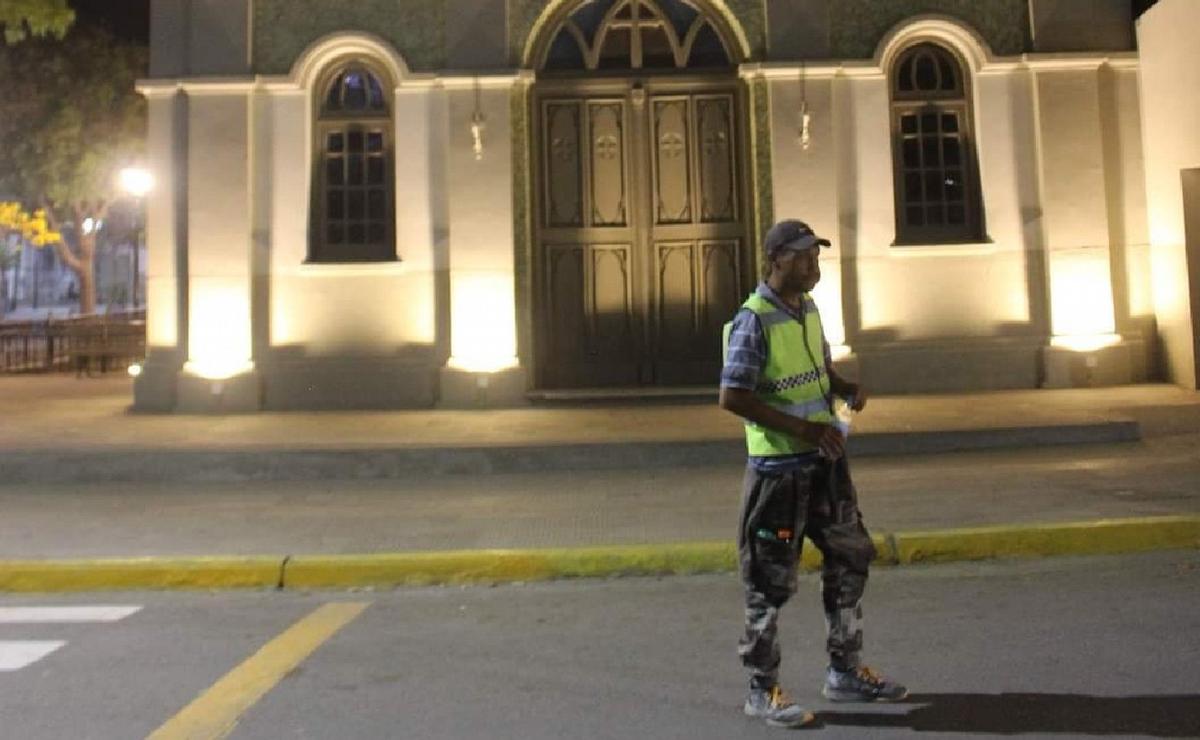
pixel 946 29
pixel 198 86
pixel 557 10
pixel 972 249
pixel 760 157
pixel 314 60
pixel 522 195
pixel 285 84
pixel 1076 62
pixel 827 69
pixel 347 269
pixel 486 80
pixel 1128 61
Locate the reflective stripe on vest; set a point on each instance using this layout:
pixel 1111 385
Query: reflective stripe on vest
pixel 794 380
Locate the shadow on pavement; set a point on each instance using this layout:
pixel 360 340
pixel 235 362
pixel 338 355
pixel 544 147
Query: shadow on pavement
pixel 1156 716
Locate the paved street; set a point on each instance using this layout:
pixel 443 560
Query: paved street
pixel 548 509
pixel 1079 647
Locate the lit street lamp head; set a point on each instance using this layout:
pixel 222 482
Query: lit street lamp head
pixel 135 181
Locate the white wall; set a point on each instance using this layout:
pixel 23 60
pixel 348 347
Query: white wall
pixel 805 185
pixel 1127 180
pixel 219 228
pixel 1074 199
pixel 929 292
pixel 480 202
pixel 1059 162
pixel 162 289
pixel 1170 104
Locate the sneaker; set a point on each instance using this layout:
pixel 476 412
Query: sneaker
pixel 776 707
pixel 861 684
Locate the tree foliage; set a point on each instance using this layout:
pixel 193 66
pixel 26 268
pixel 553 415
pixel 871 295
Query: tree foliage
pixel 75 114
pixel 21 19
pixel 32 227
pixel 72 120
pixel 19 227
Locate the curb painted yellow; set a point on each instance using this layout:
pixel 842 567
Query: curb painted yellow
pixel 495 566
pixel 885 552
pixel 139 573
pixel 499 566
pixel 1103 537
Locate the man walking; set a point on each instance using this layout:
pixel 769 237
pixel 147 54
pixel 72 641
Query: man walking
pixel 778 376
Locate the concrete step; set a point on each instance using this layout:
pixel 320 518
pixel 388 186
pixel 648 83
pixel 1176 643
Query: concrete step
pixel 327 462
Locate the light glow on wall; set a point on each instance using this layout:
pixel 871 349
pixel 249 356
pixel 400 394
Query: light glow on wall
pixel 1086 342
pixel 828 295
pixel 219 339
pixel 1081 300
pixel 483 311
pixel 839 352
pixel 161 327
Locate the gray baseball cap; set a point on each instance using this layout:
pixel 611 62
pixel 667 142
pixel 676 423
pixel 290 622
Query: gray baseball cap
pixel 791 234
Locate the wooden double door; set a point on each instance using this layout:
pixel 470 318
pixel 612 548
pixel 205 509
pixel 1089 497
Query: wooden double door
pixel 642 231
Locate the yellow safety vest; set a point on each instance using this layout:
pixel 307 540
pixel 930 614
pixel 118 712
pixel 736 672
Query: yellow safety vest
pixel 795 379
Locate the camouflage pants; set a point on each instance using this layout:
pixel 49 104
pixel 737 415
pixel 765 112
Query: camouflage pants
pixel 817 501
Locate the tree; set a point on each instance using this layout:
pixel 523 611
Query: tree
pixel 73 116
pixel 21 19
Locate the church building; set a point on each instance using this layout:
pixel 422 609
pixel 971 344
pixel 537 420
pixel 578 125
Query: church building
pixel 471 203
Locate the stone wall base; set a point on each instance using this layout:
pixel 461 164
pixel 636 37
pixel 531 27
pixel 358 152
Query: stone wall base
pixel 950 366
pixel 154 389
pixel 466 389
pixel 237 395
pixel 313 384
pixel 1118 364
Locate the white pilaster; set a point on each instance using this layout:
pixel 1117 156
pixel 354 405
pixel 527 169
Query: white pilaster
pixel 219 253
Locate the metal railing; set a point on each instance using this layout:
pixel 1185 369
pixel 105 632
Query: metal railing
pixel 84 344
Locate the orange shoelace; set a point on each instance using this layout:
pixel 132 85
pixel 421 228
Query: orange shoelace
pixel 869 675
pixel 779 698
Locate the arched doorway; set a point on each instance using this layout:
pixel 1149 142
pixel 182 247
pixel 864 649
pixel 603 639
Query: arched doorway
pixel 642 224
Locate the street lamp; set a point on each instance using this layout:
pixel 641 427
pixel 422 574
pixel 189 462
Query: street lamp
pixel 137 182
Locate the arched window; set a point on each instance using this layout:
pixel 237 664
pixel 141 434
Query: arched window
pixel 937 188
pixel 623 35
pixel 353 183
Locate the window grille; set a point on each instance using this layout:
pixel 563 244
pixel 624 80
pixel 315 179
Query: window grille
pixel 623 35
pixel 355 189
pixel 937 191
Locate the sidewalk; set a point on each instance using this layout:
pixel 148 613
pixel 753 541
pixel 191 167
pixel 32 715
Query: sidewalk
pixel 63 429
pixel 462 496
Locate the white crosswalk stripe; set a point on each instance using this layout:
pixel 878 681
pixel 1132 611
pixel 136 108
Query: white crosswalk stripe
pixel 64 614
pixel 17 654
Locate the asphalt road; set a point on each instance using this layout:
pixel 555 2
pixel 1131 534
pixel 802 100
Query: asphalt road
pixel 1071 647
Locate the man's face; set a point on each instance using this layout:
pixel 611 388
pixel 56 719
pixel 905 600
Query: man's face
pixel 801 270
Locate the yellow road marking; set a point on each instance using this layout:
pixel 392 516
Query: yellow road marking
pixel 216 712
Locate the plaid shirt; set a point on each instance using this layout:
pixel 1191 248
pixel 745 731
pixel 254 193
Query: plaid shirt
pixel 747 354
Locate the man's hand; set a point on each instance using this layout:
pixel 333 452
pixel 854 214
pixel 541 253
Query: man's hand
pixel 860 396
pixel 844 388
pixel 826 438
pixel 748 406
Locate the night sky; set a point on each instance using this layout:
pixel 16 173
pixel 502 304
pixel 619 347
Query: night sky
pixel 128 19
